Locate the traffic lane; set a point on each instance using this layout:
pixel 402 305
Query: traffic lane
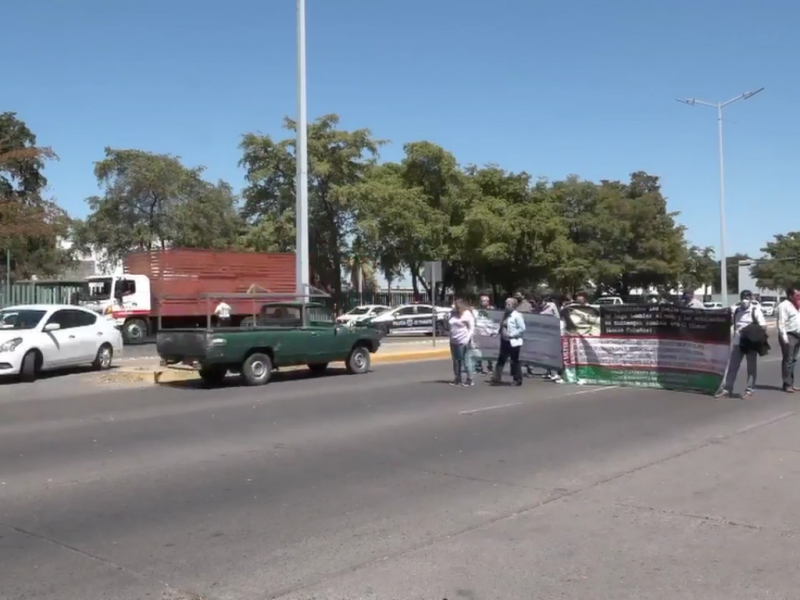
pixel 101 434
pixel 281 513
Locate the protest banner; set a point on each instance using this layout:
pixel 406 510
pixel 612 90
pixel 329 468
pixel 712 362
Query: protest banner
pixel 541 342
pixel 654 345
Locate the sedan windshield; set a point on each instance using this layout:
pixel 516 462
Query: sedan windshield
pixel 361 310
pixel 20 319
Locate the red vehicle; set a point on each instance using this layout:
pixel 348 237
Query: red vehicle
pixel 166 288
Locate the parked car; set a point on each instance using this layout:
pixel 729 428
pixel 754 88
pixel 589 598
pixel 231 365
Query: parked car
pixel 281 336
pixel 712 305
pixel 42 337
pixel 362 313
pixel 411 319
pixel 768 308
pixel 609 301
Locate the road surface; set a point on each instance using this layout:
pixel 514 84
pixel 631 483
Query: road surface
pixel 395 485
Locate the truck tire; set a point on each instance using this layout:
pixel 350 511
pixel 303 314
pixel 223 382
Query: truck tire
pixel 134 331
pixel 359 361
pixel 213 376
pixel 257 369
pixel 29 370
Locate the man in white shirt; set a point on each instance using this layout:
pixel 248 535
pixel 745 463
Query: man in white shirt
pixel 789 337
pixel 744 314
pixel 689 301
pixel 223 314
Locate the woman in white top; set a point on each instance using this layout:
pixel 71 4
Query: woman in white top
pixel 744 314
pixel 462 330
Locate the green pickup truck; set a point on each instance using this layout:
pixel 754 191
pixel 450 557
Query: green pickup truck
pixel 283 334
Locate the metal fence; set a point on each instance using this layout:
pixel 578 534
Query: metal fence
pixel 36 293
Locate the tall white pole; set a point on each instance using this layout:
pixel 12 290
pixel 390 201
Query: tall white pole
pixel 723 263
pixel 301 155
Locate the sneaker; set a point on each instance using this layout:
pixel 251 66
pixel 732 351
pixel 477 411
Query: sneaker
pixel 722 394
pixel 455 383
pixel 468 383
pixel 557 379
pixel 748 393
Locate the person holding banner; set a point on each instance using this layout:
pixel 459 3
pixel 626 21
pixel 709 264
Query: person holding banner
pixel 462 330
pixel 485 304
pixel 789 337
pixel 511 329
pixel 749 340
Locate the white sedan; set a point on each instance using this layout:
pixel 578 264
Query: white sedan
pixel 41 337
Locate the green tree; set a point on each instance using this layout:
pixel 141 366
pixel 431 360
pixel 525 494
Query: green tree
pixel 152 201
pixel 337 160
pixel 390 219
pixel 701 268
pixel 733 273
pixel 638 243
pixel 31 225
pixel 513 234
pixel 780 267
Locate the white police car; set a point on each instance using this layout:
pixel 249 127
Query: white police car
pixel 411 319
pixel 362 313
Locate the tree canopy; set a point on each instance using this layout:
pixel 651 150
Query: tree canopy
pixel 30 223
pixel 493 229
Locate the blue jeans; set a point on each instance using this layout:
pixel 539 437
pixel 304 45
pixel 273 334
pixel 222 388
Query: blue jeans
pixel 462 359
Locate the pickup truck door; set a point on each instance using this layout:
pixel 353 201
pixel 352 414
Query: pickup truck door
pixel 324 334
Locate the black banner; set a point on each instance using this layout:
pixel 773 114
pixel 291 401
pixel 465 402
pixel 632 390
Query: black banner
pixel 666 321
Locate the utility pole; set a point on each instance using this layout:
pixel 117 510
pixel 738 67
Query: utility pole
pixel 719 106
pixel 301 155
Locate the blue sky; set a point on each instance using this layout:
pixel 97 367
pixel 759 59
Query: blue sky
pixel 583 87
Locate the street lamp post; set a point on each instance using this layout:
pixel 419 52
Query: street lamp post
pixel 301 155
pixel 719 106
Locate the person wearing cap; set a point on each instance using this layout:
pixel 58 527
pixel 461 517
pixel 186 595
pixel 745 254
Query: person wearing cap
pixel 689 301
pixel 749 341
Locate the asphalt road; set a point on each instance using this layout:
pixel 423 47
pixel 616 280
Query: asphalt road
pixel 395 485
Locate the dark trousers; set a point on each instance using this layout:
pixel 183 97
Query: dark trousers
pixel 790 349
pixel 507 351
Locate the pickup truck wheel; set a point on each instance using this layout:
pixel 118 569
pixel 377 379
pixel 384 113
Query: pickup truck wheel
pixel 257 369
pixel 318 367
pixel 359 361
pixel 213 376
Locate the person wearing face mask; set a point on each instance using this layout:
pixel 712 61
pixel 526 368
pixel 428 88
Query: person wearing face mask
pixel 511 329
pixel 749 341
pixel 789 337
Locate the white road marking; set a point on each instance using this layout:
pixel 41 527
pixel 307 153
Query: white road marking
pixel 595 390
pixel 477 410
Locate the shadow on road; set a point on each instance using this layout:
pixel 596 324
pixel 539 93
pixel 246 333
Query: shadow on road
pixel 278 377
pixel 54 374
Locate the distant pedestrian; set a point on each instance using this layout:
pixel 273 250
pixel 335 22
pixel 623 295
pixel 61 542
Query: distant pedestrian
pixel 548 307
pixel 789 337
pixel 512 327
pixel 749 341
pixel 462 331
pixel 223 314
pixel 485 304
pixel 689 301
pixel 523 305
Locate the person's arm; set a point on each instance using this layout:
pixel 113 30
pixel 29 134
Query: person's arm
pixel 520 325
pixel 782 322
pixel 470 323
pixel 759 316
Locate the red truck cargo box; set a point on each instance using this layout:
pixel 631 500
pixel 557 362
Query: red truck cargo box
pixel 181 272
